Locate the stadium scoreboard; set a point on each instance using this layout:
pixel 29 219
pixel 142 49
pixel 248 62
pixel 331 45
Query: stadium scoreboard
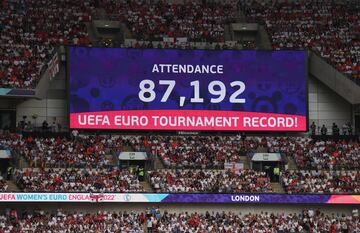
pixel 171 89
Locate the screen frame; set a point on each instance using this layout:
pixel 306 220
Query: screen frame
pixel 306 81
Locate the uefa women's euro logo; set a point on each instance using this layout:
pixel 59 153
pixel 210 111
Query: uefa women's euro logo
pixel 127 197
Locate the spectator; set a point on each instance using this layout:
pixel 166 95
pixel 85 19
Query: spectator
pixel 335 130
pixel 45 125
pixel 345 129
pixel 350 129
pixel 323 130
pixel 313 128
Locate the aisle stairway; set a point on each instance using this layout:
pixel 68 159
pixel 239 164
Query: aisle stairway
pixel 245 161
pixel 227 32
pixel 159 164
pixel 12 186
pixel 102 14
pixel 277 188
pixel 262 149
pixel 113 159
pixel 292 164
pixel 91 32
pixel 147 186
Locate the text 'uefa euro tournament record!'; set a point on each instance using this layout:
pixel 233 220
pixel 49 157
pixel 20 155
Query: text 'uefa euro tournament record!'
pixel 169 89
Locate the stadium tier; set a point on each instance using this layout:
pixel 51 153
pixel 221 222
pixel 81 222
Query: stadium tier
pixel 159 220
pixel 195 164
pixel 77 180
pixel 152 22
pixel 28 42
pixel 321 181
pixel 194 181
pixel 330 28
pixel 31 32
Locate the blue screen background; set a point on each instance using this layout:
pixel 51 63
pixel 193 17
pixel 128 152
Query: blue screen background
pixel 105 79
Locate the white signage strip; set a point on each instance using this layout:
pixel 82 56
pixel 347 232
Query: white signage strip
pixel 80 197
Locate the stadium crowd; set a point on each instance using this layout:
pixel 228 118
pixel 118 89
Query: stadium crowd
pixel 155 21
pixel 82 151
pixel 312 181
pixel 330 28
pixel 330 155
pixel 155 221
pixel 77 180
pixel 214 151
pixel 40 221
pixel 325 166
pixel 212 181
pixel 29 32
pixel 201 151
pixel 318 154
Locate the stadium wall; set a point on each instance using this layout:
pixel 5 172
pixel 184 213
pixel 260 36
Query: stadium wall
pixel 327 107
pixel 49 108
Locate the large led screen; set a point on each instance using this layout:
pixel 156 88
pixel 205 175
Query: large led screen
pixel 169 89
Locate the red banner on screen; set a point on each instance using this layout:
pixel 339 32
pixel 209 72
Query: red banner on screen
pixel 187 120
